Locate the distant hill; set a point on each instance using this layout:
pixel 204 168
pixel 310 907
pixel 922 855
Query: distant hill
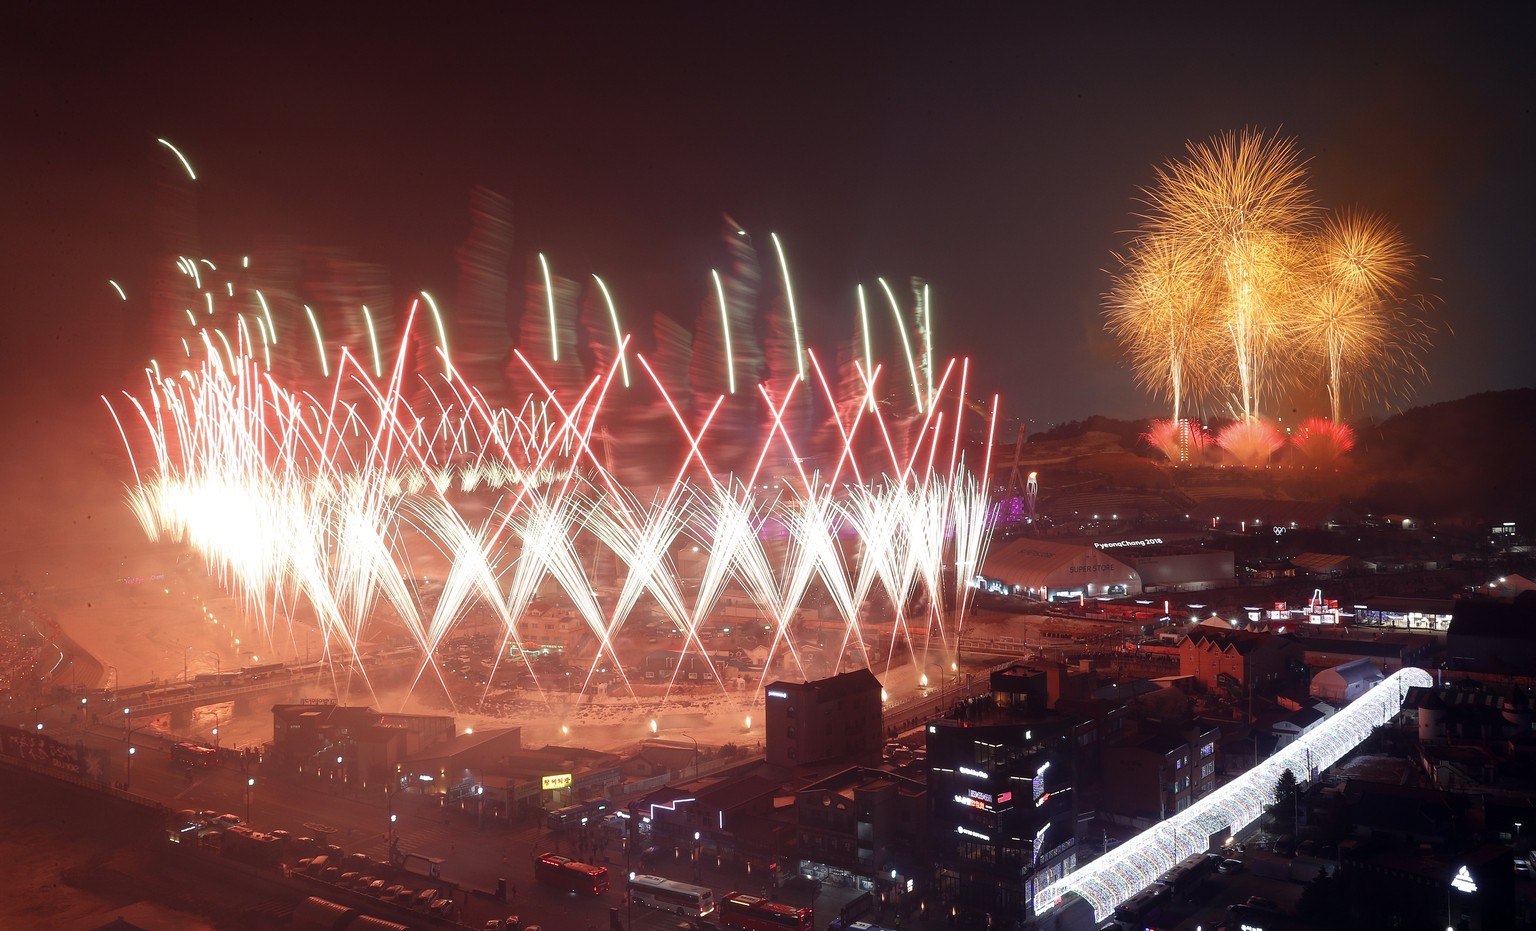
pixel 1471 459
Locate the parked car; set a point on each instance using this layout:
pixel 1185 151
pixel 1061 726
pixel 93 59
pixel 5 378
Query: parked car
pixel 1259 901
pixel 1230 866
pixel 227 820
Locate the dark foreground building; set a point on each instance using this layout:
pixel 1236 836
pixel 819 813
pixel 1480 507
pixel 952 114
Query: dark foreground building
pixel 1003 810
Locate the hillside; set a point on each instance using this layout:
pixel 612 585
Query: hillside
pixel 1470 459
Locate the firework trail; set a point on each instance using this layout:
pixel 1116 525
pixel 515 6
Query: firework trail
pixel 317 503
pixel 1234 210
pixel 1323 442
pixel 1356 320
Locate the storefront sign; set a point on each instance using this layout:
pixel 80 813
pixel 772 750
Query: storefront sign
pixel 562 781
pixel 1463 881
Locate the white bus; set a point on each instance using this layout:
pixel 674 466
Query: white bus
pixel 671 896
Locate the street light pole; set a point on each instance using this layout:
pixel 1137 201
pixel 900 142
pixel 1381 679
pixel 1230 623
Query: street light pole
pixel 250 787
pixel 128 782
pixel 695 755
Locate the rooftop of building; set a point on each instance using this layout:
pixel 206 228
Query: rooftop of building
pixel 983 711
pixel 1161 744
pixel 834 687
pixel 1502 620
pixel 846 782
pixel 1233 641
pixel 352 716
pixel 1360 670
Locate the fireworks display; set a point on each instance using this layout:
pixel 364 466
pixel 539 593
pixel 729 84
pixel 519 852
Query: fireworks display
pixel 395 499
pixel 1354 319
pixel 1250 442
pixel 1322 442
pixel 1238 286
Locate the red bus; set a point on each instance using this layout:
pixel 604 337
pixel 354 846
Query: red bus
pixel 194 755
pixel 753 913
pixel 565 873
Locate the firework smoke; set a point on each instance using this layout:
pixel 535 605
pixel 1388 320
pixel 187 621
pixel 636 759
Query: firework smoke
pixel 1323 442
pixel 1250 443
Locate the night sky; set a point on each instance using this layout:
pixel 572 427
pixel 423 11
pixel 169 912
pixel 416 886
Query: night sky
pixel 994 150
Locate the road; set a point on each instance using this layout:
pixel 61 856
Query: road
pixel 475 854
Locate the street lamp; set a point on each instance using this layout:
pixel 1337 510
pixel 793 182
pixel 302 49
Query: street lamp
pixel 695 755
pixel 250 787
pixel 128 782
pixel 127 719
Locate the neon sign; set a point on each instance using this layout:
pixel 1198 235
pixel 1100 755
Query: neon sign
pixel 775 693
pixel 971 802
pixel 967 771
pixel 962 829
pixel 1463 881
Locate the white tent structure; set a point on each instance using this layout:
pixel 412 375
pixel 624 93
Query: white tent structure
pixel 1346 682
pixel 1047 570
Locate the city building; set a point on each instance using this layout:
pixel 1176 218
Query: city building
pixel 494 773
pixel 1045 570
pixel 1235 660
pixel 1346 682
pixel 724 819
pixel 1146 778
pixel 1396 884
pixel 1389 650
pixel 1432 614
pixel 1323 565
pixel 1002 770
pixel 1174 568
pixel 1493 636
pixel 869 826
pixel 839 718
pixel 1159 771
pixel 351 744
